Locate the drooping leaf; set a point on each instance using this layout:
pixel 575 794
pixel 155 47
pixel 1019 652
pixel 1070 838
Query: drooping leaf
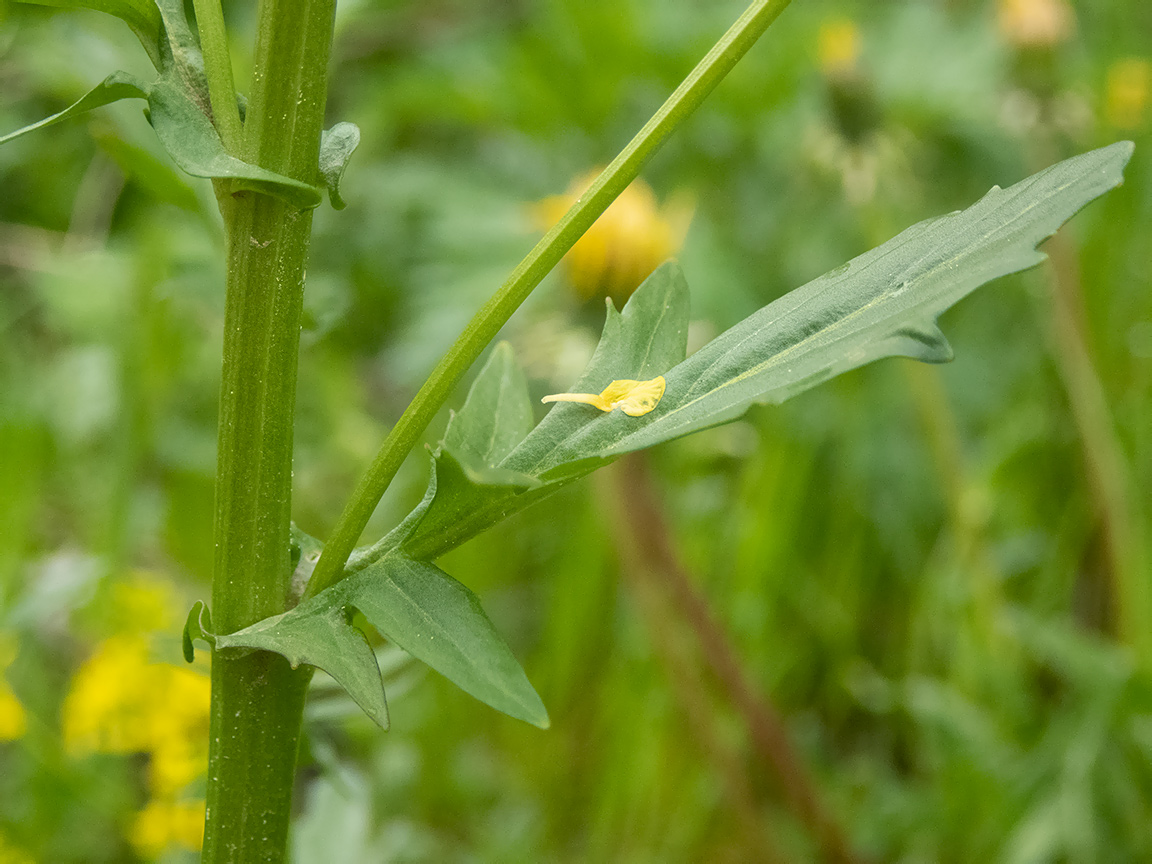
pixel 414 605
pixel 324 639
pixel 195 146
pixel 336 147
pixel 117 86
pixel 141 16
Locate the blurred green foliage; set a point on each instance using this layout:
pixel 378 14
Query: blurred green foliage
pixel 937 575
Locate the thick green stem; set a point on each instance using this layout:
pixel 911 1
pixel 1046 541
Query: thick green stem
pixel 547 253
pixel 257 699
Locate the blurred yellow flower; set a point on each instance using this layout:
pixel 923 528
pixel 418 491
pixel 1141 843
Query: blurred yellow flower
pixel 838 47
pixel 632 238
pixel 1036 23
pixel 13 720
pixel 165 824
pixel 120 701
pixel 1126 92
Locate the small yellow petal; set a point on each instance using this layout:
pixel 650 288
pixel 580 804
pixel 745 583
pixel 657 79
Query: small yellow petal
pixel 634 398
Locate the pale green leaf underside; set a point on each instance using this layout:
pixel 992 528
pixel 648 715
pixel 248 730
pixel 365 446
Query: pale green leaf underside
pixel 194 145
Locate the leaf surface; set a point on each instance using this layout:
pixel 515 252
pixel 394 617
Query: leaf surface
pixel 475 484
pixel 882 304
pixel 195 146
pixel 336 147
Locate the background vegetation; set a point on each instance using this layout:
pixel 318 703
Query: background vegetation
pixel 935 579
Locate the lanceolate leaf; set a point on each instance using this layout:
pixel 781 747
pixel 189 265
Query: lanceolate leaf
pixel 178 110
pixel 414 605
pixel 117 86
pixel 141 16
pixel 883 303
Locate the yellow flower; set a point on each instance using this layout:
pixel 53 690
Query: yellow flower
pixel 1126 92
pixel 13 720
pixel 631 239
pixel 838 47
pixel 121 701
pixel 164 824
pixel 1036 23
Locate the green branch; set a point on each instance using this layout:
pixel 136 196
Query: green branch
pixel 547 253
pixel 218 71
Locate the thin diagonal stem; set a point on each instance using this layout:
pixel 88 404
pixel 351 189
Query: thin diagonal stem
pixel 528 274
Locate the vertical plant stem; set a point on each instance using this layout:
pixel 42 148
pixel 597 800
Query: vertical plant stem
pixel 544 256
pixel 257 698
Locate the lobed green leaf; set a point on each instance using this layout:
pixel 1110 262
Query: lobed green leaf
pixel 467 494
pixel 883 303
pixel 414 605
